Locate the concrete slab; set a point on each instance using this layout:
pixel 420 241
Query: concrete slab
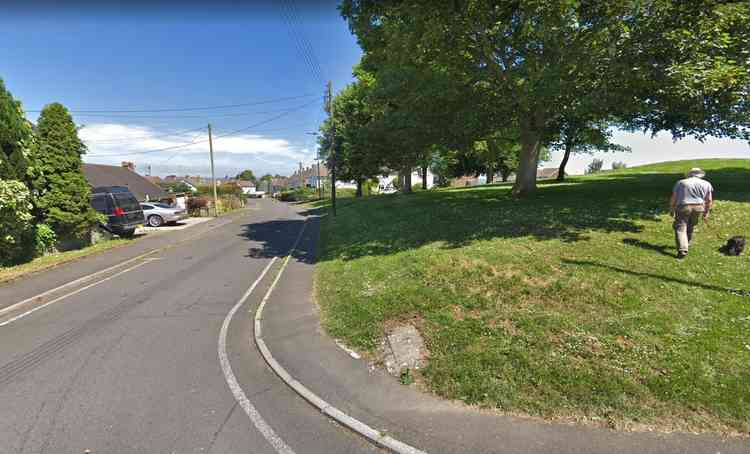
pixel 404 350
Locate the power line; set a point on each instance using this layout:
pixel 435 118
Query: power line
pixel 187 109
pixel 306 42
pixel 236 131
pixel 127 139
pixel 300 40
pixel 231 114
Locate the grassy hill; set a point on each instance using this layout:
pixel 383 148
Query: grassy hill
pixel 569 305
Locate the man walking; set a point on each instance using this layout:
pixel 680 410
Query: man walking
pixel 691 198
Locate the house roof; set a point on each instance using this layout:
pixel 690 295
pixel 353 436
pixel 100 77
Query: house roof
pixel 245 184
pixel 103 175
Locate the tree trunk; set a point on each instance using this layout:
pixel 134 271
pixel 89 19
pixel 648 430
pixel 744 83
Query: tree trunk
pixel 406 181
pixel 424 177
pixel 504 176
pixel 561 170
pixel 490 174
pixel 528 162
pixel 359 188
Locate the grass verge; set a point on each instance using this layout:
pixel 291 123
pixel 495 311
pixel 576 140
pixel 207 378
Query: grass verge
pixel 568 305
pixel 50 261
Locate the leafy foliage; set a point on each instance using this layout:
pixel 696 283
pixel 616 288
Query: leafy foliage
pixel 15 137
pixel 61 193
pixel 595 166
pixel 16 226
pixel 540 68
pixel 246 175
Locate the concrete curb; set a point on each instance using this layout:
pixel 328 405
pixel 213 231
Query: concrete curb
pixel 332 412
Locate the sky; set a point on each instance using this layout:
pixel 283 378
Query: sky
pixel 113 67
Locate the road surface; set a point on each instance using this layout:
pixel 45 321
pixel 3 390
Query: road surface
pixel 130 360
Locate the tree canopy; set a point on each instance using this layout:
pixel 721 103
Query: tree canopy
pixel 15 136
pixel 246 175
pixel 61 192
pixel 679 66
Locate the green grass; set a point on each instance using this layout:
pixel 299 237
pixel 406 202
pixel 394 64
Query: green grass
pixel 569 305
pixel 50 261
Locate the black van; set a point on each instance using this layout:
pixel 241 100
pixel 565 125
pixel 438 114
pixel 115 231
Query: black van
pixel 121 207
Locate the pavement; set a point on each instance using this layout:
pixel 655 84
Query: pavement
pixel 177 226
pixel 149 349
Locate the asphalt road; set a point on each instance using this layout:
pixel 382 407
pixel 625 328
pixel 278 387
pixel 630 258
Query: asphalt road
pixel 128 361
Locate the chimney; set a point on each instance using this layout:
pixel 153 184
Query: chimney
pixel 128 165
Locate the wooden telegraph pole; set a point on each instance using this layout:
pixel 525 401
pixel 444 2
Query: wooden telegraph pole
pixel 213 175
pixel 329 109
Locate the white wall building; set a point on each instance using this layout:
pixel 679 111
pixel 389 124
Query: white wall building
pixel 385 182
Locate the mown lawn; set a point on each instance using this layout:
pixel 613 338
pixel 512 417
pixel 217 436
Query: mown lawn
pixel 569 305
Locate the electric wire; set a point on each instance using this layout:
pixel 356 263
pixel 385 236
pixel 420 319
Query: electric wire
pixel 186 109
pixel 236 131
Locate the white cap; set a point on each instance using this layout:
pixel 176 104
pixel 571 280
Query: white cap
pixel 696 172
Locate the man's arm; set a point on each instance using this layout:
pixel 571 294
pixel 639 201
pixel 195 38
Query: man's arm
pixel 673 204
pixel 708 204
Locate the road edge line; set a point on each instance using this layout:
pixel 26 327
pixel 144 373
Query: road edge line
pixel 234 386
pixel 326 408
pixel 88 277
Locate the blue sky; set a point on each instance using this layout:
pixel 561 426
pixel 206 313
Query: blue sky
pixel 201 55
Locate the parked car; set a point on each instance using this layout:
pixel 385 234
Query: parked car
pixel 160 213
pixel 123 212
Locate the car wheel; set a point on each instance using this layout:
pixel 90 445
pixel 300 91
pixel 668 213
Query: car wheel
pixel 155 220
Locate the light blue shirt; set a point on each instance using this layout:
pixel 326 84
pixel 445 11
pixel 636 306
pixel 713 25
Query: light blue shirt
pixel 692 191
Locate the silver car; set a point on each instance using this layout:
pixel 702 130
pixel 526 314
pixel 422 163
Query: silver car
pixel 157 214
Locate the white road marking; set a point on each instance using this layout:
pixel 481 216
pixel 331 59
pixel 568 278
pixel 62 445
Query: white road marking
pixel 91 276
pixel 29 312
pixel 234 386
pixel 356 425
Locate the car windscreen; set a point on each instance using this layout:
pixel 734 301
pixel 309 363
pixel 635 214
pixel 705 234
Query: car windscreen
pixel 126 201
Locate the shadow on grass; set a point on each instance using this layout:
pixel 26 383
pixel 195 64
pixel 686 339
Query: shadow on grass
pixel 661 249
pixel 734 291
pixel 569 212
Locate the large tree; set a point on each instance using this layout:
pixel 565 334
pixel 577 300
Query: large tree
pixel 353 154
pixel 669 65
pixel 246 175
pixel 61 193
pixel 578 137
pixel 15 136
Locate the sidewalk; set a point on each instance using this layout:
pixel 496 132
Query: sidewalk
pixel 292 332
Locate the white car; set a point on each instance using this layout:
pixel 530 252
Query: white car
pixel 157 214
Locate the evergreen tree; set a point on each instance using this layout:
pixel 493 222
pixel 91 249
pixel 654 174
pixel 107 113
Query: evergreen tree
pixel 60 189
pixel 15 132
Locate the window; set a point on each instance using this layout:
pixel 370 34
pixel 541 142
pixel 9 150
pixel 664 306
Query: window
pixel 146 207
pixel 99 203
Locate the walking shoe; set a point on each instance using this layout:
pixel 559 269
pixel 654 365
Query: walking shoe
pixel 681 254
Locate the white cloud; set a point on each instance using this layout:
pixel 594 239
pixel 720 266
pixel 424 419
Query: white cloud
pixel 646 150
pixel 111 143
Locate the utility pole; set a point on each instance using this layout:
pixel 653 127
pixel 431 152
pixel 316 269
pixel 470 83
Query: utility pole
pixel 213 175
pixel 320 183
pixel 329 109
pixel 301 180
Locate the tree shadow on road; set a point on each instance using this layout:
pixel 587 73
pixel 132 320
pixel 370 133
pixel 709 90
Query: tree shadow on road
pixel 276 239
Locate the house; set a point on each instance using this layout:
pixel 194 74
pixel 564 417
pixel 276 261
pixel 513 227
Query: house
pixel 154 179
pixel 385 182
pixel 547 173
pixel 249 188
pixel 103 175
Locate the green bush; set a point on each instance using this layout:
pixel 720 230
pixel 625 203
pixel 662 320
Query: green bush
pixel 44 239
pixel 16 228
